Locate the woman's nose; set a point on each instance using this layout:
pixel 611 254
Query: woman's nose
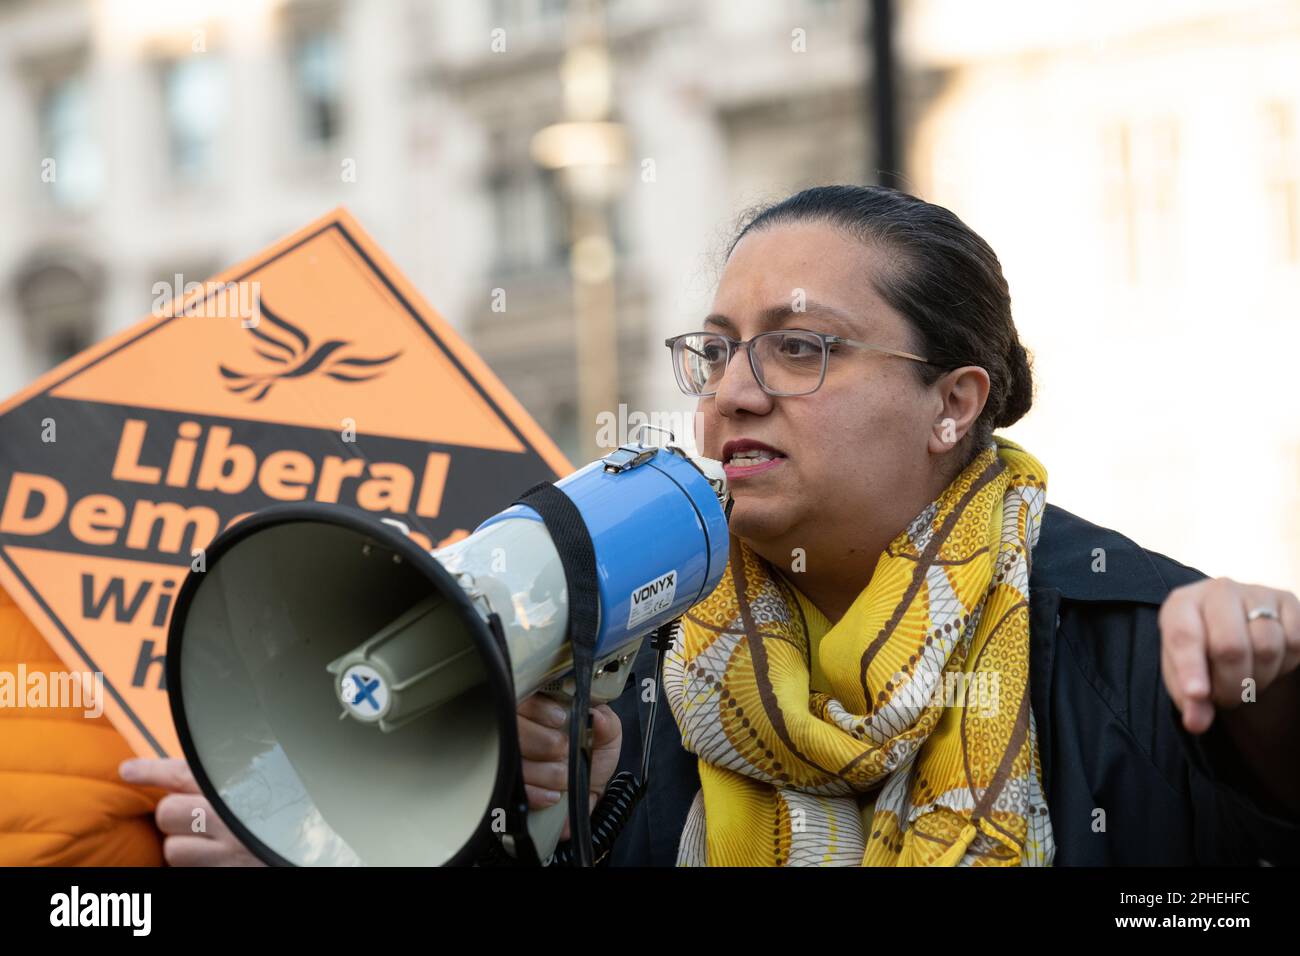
pixel 739 390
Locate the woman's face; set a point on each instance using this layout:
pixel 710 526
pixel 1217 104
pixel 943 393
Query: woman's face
pixel 855 460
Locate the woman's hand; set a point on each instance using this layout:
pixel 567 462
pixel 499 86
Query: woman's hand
pixel 194 834
pixel 544 747
pixel 1210 649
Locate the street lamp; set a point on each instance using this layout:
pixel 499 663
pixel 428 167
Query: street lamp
pixel 588 154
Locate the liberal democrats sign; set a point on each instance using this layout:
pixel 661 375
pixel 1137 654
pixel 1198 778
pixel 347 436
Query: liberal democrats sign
pixel 312 372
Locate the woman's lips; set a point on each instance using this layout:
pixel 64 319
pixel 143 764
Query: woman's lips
pixel 741 472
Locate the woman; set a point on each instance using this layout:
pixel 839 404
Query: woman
pixel 910 658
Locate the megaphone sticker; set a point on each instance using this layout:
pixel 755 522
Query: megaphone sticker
pixel 651 598
pixel 364 692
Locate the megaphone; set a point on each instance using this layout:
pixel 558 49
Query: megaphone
pixel 346 697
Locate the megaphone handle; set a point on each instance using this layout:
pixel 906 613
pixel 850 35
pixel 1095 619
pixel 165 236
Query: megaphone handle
pixel 546 825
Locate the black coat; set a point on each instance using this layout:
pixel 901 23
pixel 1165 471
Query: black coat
pixel 1110 738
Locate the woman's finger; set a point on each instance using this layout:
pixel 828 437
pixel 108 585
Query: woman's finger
pixel 1289 611
pixel 1230 653
pixel 544 710
pixel 169 774
pixel 540 743
pixel 177 813
pixel 1184 659
pixel 606 727
pixel 541 797
pixel 548 774
pixel 1266 636
pixel 201 851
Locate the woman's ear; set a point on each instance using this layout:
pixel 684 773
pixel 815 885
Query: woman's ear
pixel 962 394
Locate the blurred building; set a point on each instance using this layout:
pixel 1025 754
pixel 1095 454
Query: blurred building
pixel 149 138
pixel 1136 167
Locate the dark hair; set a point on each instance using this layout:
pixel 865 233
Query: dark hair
pixel 941 277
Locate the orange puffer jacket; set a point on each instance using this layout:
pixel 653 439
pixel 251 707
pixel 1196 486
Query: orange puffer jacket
pixel 61 800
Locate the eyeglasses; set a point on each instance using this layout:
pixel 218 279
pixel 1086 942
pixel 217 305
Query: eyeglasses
pixel 785 362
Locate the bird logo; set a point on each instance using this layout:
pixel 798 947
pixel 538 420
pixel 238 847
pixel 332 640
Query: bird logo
pixel 290 349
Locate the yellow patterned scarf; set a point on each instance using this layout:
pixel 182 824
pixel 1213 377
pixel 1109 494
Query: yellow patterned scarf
pixel 930 712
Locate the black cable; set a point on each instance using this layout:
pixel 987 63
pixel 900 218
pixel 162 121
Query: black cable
pixel 579 767
pixel 662 642
pixel 609 818
pixel 625 791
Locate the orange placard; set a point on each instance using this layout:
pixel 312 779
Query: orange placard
pixel 312 372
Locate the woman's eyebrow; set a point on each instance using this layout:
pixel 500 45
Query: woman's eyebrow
pixel 776 314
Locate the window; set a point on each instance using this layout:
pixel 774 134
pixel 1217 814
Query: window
pixel 529 216
pixel 553 9
pixel 72 167
pixel 58 299
pixel 194 109
pixel 64 342
pixel 527 220
pixel 530 15
pixel 317 64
